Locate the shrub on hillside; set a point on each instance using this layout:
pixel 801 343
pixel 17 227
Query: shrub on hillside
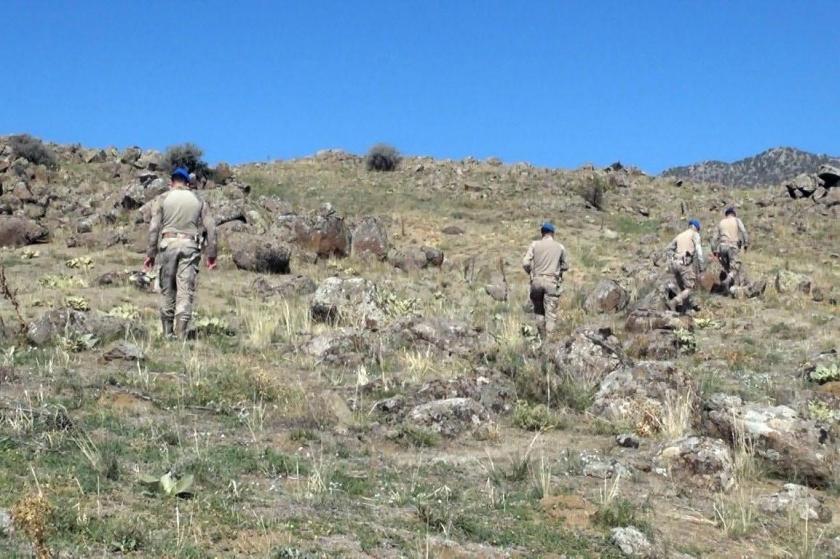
pixel 594 194
pixel 33 150
pixel 221 173
pixel 382 157
pixel 186 155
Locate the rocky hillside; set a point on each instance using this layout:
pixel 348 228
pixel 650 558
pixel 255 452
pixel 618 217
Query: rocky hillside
pixel 365 380
pixel 767 168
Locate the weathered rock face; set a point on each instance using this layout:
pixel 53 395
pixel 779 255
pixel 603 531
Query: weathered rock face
pixel 325 234
pixel 641 395
pixel 341 346
pixel 20 231
pixel 646 320
pixel 138 193
pixel 795 501
pixel 496 392
pixel 448 336
pixel 347 300
pixel 829 175
pixel 632 542
pixel 588 356
pixel 792 445
pixel 448 417
pixel 124 351
pixel 700 461
pixel 607 297
pixel 370 239
pixel 259 254
pixel 285 286
pixel 803 186
pixel 415 258
pixel 789 282
pixel 69 323
pixel 655 345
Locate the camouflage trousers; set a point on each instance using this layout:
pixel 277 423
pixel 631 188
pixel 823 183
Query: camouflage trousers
pixel 545 295
pixel 686 278
pixel 730 260
pixel 179 260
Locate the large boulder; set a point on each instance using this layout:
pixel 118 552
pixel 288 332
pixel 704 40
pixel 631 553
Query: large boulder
pixel 416 258
pixel 795 501
pixel 444 335
pixel 82 326
pixel 138 193
pixel 495 392
pixel 370 239
pixel 645 395
pixel 633 543
pixel 607 297
pixel 352 300
pixel 700 461
pixel 829 175
pixel 792 445
pixel 448 417
pixel 258 253
pixel 342 346
pixel 20 231
pixel 802 186
pixel 325 234
pixel 587 356
pixel 646 320
pixel 789 282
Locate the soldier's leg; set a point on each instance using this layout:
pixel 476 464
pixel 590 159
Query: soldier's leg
pixel 538 299
pixel 686 278
pixel 186 277
pixel 168 288
pixel 551 303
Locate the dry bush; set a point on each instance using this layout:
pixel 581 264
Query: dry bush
pixel 594 194
pixel 382 157
pixel 33 150
pixel 186 155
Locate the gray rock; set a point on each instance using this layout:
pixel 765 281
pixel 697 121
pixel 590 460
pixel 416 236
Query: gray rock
pixel 444 335
pixel 370 239
pixel 829 175
pixel 632 542
pixel 452 230
pixel 587 356
pixel 283 286
pixel 6 526
pixel 627 440
pixel 497 291
pixel 449 417
pixel 336 346
pixel 20 231
pixel 257 253
pixel 325 234
pixel 646 320
pixel 58 323
pixel 794 446
pixel 496 393
pixel 795 501
pixel 350 300
pixel 655 345
pixel 607 297
pixel 124 351
pixel 789 282
pixel 700 461
pixel 416 258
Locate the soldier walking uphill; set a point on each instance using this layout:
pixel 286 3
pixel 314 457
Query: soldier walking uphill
pixel 728 241
pixel 179 218
pixel 545 262
pixel 686 258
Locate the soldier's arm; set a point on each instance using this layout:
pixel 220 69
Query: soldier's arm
pixel 528 259
pixel 564 263
pixel 745 238
pixel 154 229
pixel 210 229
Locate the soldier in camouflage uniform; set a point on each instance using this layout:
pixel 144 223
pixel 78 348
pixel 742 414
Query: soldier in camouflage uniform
pixel 686 258
pixel 545 261
pixel 180 221
pixel 728 241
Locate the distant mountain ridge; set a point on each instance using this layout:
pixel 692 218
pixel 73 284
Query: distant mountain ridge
pixel 769 167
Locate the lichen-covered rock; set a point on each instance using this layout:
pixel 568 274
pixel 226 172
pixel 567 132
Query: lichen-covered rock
pixel 21 231
pixel 700 461
pixel 370 239
pixel 325 234
pixel 445 335
pixel 646 320
pixel 496 392
pixel 789 282
pixel 632 542
pixel 124 351
pixel 794 446
pixel 587 356
pixel 416 258
pixel 283 286
pixel 607 297
pixel 350 300
pixel 71 324
pixel 795 501
pixel 449 417
pixel 340 346
pixel 257 253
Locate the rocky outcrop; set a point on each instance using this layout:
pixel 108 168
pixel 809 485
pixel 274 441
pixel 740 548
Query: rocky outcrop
pixel 633 543
pixel 21 231
pixel 587 356
pixel 350 300
pixel 441 335
pixel 342 346
pixel 370 239
pixel 257 253
pixel 283 286
pixel 415 258
pixel 448 417
pixel 607 297
pixel 795 501
pixel 792 445
pixel 325 234
pixel 791 282
pixel 77 325
pixel 699 461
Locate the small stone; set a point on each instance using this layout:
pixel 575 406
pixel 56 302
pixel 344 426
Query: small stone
pixel 632 542
pixel 627 440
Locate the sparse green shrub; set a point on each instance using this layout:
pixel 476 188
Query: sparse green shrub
pixel 80 263
pixel 619 513
pixel 213 326
pixel 75 342
pixel 820 411
pixel 125 311
pixel 61 281
pixel 33 150
pixel 186 155
pixel 412 436
pixel 77 303
pixel 594 194
pixel 686 340
pixel 533 417
pixel 221 173
pixel 825 373
pixel 382 157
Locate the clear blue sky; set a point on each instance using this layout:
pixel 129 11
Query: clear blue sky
pixel 652 83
